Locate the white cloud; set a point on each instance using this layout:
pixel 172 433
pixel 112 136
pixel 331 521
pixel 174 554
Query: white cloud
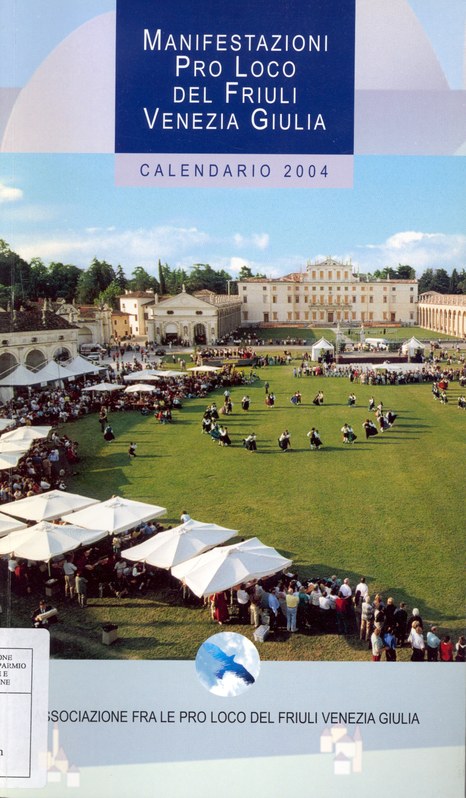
pixel 140 247
pixel 261 240
pixel 415 248
pixel 256 240
pixel 235 264
pixel 9 194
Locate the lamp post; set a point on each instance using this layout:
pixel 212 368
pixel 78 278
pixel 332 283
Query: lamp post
pixel 337 343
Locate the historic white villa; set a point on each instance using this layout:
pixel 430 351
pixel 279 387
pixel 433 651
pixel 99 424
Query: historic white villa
pixel 325 293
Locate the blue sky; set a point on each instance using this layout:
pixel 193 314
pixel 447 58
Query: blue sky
pixel 401 210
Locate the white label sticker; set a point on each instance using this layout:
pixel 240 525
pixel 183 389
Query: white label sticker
pixel 24 692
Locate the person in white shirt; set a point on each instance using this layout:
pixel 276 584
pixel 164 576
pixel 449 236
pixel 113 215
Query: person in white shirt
pixel 416 640
pixel 69 569
pixel 345 590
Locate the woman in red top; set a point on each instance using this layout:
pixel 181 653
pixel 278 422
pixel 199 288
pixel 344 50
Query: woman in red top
pixel 446 650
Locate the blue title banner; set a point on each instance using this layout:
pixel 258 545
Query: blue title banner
pixel 242 78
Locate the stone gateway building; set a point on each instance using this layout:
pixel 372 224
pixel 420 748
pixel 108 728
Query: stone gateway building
pixel 326 293
pixel 200 318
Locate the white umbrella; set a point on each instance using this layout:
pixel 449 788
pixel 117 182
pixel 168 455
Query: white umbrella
pixel 205 369
pixel 104 386
pixel 5 423
pixel 149 375
pixel 10 460
pixel 44 540
pixel 115 515
pixel 223 567
pixel 26 434
pixel 20 447
pixel 8 525
pixel 140 388
pixel 179 544
pixel 49 505
pixel 168 373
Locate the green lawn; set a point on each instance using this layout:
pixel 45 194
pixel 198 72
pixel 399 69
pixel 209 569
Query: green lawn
pixel 312 334
pixel 391 508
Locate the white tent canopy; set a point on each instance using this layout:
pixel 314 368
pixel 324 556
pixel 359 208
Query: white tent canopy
pixel 54 371
pixel 44 540
pixel 21 376
pixel 8 525
pixel 412 346
pixel 79 365
pixel 322 345
pixel 47 506
pixel 224 567
pixel 115 515
pixel 179 544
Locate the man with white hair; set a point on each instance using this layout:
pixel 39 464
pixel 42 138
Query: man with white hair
pixel 345 589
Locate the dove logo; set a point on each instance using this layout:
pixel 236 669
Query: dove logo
pixel 227 664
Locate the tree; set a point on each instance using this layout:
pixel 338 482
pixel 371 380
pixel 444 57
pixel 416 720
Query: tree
pixel 121 279
pixel 15 274
pixel 163 269
pixel 434 280
pixel 110 296
pixel 426 281
pixel 93 281
pixel 405 272
pixel 204 277
pixel 39 275
pixel 142 281
pixel 245 273
pixel 63 280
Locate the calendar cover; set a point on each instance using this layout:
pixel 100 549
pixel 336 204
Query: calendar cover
pixel 239 133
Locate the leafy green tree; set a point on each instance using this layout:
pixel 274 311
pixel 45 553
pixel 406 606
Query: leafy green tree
pixel 163 270
pixel 405 272
pixel 204 276
pixel 93 281
pixel 15 274
pixel 39 275
pixel 142 281
pixel 121 278
pixel 63 280
pixel 174 280
pixel 110 296
pixel 245 273
pixel 426 281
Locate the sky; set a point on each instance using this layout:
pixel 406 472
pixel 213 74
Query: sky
pixel 401 210
pixel 67 208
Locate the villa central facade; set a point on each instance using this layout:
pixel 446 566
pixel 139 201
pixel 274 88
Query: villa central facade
pixel 326 293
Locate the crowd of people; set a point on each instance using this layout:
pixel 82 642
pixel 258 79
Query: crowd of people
pixel 332 606
pixel 320 605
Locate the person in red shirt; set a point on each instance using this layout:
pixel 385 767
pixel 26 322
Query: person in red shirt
pixel 446 650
